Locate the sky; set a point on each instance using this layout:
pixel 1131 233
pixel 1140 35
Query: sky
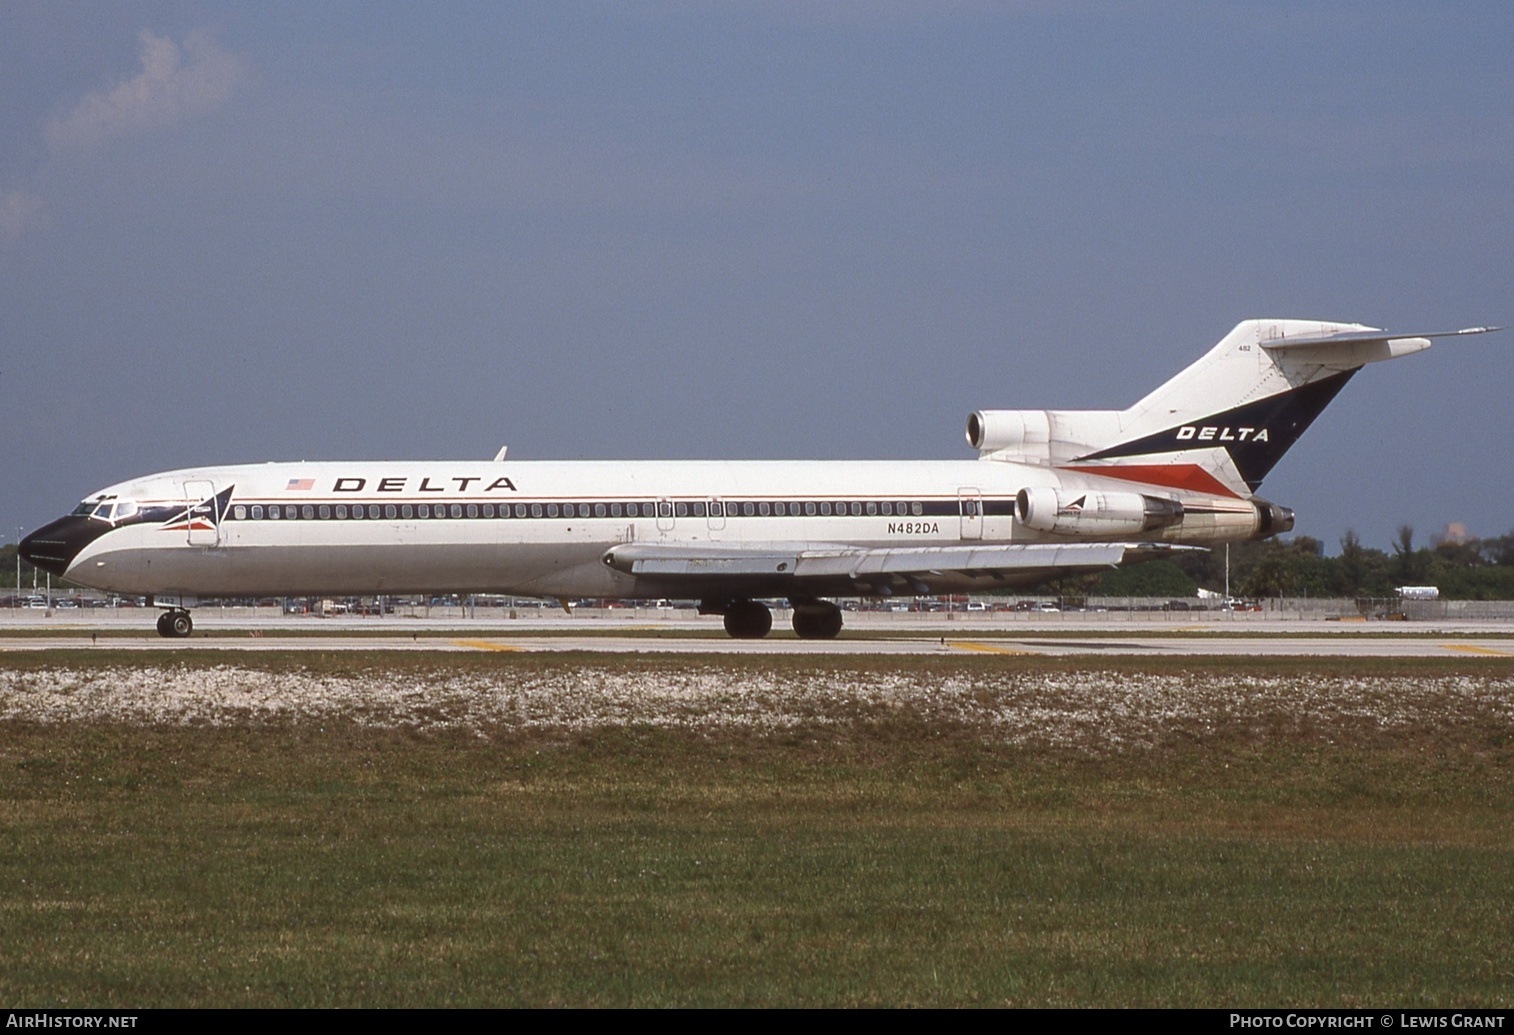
pixel 236 233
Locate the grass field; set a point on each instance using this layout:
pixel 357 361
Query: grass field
pixel 415 829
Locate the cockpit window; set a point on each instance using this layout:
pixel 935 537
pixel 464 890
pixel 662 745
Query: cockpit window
pixel 108 508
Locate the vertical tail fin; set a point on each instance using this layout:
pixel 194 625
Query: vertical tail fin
pixel 1221 424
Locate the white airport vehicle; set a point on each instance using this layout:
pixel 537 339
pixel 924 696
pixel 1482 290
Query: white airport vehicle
pixel 1052 492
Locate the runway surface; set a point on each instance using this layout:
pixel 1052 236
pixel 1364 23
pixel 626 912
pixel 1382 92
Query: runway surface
pixel 1167 646
pixel 682 632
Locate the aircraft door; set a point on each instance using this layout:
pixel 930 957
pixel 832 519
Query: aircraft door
pixel 664 515
pixel 203 520
pixel 970 506
pixel 716 518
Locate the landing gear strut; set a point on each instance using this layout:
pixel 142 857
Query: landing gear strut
pixel 817 620
pixel 175 624
pixel 747 620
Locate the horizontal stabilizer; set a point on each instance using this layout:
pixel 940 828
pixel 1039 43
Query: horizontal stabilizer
pixel 1365 337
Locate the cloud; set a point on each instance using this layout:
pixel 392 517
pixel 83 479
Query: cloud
pixel 21 210
pixel 176 84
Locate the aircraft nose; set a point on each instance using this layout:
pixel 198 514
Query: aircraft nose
pixel 53 547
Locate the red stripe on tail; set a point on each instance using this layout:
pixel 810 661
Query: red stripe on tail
pixel 1190 477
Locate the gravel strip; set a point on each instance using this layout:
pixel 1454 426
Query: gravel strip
pixel 1094 711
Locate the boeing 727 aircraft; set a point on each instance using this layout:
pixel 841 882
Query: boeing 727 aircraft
pixel 1053 492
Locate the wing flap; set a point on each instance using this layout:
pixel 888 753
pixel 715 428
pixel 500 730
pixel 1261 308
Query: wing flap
pixel 865 563
pixel 694 563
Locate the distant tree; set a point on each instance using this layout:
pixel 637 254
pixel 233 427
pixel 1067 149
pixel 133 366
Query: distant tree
pixel 1270 577
pixel 1351 570
pixel 1499 550
pixel 1160 578
pixel 1410 565
pixel 1465 554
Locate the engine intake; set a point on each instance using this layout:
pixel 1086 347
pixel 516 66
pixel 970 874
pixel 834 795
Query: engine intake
pixel 991 430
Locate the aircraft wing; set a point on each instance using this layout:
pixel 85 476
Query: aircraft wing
pixel 828 570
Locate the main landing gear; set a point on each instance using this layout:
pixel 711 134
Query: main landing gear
pixel 175 624
pixel 817 620
pixel 749 620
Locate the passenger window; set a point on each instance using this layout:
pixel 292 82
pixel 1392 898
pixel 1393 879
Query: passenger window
pixel 917 508
pixel 664 510
pixel 307 512
pixel 473 510
pixel 239 513
pixel 325 512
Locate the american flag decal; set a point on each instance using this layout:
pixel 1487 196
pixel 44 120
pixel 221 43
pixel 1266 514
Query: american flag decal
pixel 300 485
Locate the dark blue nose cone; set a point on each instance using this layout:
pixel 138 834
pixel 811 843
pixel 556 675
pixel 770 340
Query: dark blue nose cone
pixel 53 547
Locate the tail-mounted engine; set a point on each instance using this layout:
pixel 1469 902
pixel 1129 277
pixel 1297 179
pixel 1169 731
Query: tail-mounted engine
pixel 1040 436
pixel 1094 513
pixel 1079 513
pixel 989 431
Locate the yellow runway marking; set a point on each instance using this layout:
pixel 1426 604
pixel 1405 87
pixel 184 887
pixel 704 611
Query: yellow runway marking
pixel 1471 648
pixel 984 648
pixel 484 645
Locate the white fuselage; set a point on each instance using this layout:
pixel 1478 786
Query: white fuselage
pixel 542 528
